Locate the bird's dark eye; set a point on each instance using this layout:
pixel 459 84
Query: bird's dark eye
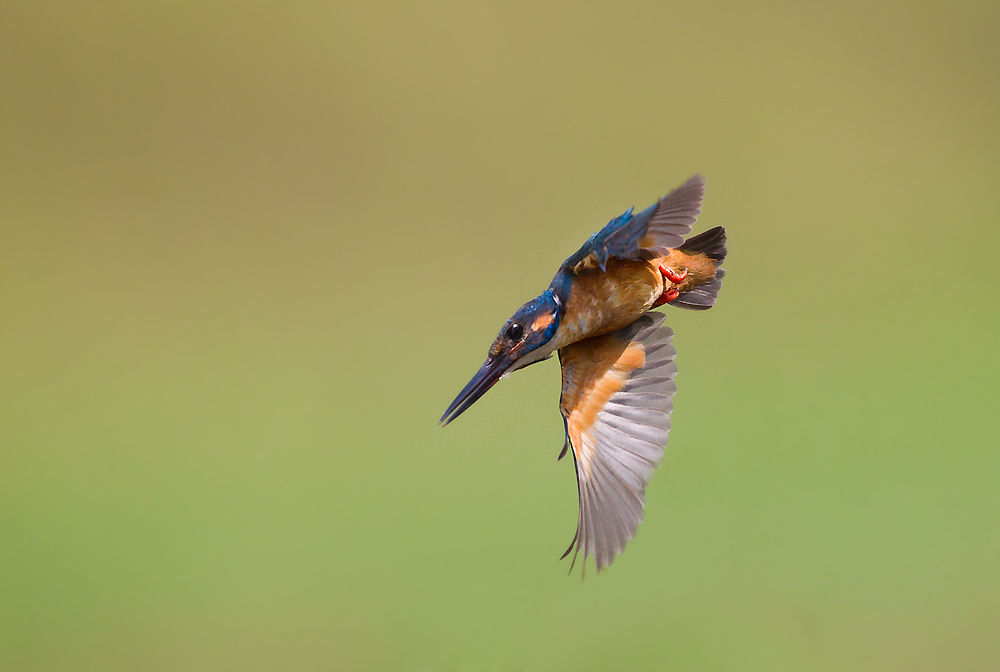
pixel 515 332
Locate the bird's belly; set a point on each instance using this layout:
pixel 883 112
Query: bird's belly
pixel 602 302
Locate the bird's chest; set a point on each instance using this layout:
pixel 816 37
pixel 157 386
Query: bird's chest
pixel 601 302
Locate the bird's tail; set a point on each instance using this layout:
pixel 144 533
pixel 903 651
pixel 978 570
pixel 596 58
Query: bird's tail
pixel 711 244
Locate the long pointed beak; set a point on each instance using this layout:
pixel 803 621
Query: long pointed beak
pixel 487 376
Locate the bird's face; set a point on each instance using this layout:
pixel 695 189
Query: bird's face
pixel 521 342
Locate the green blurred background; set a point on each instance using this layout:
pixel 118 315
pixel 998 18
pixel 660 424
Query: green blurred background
pixel 250 251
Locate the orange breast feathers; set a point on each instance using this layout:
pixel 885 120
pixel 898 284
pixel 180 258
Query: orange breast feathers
pixel 602 302
pixel 592 371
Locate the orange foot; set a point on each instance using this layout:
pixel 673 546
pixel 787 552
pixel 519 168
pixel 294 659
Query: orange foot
pixel 675 278
pixel 667 297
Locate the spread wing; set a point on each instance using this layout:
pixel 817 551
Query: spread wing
pixel 652 232
pixel 616 403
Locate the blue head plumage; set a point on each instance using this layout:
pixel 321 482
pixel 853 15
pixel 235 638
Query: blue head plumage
pixel 519 343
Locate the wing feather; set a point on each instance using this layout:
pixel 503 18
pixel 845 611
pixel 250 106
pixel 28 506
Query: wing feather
pixel 673 216
pixel 615 522
pixel 616 401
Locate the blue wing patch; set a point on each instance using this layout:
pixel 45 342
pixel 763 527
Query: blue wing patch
pixel 654 231
pixel 619 238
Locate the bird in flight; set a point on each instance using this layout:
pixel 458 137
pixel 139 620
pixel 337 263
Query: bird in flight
pixel 617 361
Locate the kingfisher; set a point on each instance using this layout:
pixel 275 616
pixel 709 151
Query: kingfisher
pixel 616 357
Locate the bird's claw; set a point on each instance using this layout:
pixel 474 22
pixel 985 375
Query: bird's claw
pixel 667 297
pixel 673 277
